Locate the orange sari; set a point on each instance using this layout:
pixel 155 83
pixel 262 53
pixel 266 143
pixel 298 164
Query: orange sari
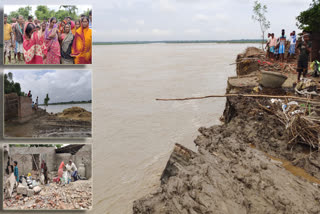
pixel 82 46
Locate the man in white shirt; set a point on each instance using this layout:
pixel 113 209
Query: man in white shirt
pixel 72 169
pixel 293 42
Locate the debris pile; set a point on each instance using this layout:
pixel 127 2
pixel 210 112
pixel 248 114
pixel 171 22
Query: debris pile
pixel 300 121
pixel 76 195
pixel 76 113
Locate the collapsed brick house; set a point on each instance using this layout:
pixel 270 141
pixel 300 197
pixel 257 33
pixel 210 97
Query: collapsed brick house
pixel 17 108
pixel 29 158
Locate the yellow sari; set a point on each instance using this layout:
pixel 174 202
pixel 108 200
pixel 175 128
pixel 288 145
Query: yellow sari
pixel 82 46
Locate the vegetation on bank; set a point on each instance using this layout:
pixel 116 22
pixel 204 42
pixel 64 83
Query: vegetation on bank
pixel 309 19
pixel 178 41
pixel 70 102
pixel 36 145
pixel 12 87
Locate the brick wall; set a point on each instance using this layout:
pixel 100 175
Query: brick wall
pixel 25 109
pixel 11 103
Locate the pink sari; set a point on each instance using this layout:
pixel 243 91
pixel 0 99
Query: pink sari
pixel 33 48
pixel 53 47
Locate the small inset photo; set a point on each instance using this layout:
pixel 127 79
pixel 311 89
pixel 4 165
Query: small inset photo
pixel 47 104
pixel 47 34
pixel 47 177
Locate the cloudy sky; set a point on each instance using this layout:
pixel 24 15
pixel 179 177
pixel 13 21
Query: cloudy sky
pixel 149 20
pixel 61 85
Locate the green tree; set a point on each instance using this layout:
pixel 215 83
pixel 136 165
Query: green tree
pixel 43 12
pixel 24 11
pixel 259 15
pixel 10 86
pixel 46 100
pixel 309 19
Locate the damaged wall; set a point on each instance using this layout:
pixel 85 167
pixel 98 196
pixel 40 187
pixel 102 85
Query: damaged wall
pixel 11 106
pixel 17 107
pixel 25 160
pixel 84 155
pixel 53 160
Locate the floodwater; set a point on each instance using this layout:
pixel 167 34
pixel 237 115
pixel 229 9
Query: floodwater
pixel 59 108
pixel 133 134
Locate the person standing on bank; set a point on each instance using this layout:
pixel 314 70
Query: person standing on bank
pixel 304 50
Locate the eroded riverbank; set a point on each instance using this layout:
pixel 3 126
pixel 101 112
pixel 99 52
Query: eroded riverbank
pixel 228 175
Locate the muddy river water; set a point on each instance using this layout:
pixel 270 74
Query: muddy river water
pixel 134 134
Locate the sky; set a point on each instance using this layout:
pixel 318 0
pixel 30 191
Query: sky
pixel 61 85
pixel 154 20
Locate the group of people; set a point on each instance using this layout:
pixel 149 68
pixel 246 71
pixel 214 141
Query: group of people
pixel 276 49
pixel 71 170
pixel 13 172
pixel 34 104
pixel 49 41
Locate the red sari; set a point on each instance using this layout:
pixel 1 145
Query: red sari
pixel 34 48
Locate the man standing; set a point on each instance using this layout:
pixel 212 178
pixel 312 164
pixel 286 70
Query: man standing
pixel 13 25
pixel 18 35
pixel 273 43
pixel 7 37
pixel 304 49
pixel 293 42
pixel 282 45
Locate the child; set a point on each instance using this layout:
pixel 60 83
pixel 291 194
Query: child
pixel 16 171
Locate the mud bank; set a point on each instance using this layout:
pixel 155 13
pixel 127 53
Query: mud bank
pixel 73 122
pixel 244 165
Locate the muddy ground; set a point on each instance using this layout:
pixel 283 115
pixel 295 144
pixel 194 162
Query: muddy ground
pixel 71 123
pixel 76 195
pixel 244 165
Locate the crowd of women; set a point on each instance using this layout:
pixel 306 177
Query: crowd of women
pixel 49 42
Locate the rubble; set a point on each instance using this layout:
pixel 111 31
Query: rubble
pixel 76 195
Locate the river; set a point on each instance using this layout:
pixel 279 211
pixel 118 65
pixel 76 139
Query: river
pixel 133 133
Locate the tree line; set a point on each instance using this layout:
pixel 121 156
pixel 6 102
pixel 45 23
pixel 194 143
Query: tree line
pixel 44 13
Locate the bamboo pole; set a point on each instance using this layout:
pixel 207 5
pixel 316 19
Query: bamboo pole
pixel 242 95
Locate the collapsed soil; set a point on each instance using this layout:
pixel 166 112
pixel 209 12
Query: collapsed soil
pixel 231 172
pixel 244 165
pixel 76 195
pixel 72 122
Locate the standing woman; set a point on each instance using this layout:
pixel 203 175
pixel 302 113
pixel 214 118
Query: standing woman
pixel 76 27
pixel 82 44
pixel 52 43
pixel 33 48
pixel 66 44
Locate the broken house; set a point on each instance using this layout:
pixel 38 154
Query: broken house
pixel 19 108
pixel 29 158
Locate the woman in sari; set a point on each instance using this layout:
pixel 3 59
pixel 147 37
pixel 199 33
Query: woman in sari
pixel 52 43
pixel 76 27
pixel 66 44
pixel 60 170
pixel 61 26
pixel 33 47
pixel 82 43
